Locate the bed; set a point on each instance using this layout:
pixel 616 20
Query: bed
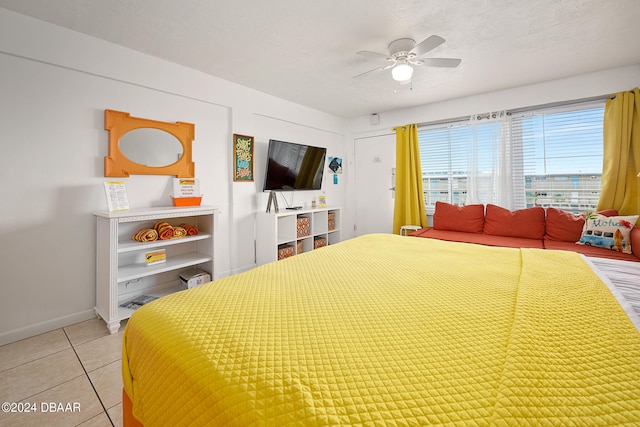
pixel 389 330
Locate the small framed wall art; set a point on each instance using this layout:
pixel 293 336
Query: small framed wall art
pixel 242 158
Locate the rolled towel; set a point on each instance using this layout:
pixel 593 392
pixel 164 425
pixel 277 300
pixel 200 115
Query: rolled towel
pixel 145 235
pixel 164 229
pixel 191 230
pixel 179 232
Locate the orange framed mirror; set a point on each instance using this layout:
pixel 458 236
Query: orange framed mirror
pixel 147 147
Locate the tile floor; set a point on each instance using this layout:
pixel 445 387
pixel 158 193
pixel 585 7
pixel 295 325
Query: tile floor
pixel 77 367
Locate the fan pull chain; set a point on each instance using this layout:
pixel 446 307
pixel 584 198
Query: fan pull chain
pixel 395 85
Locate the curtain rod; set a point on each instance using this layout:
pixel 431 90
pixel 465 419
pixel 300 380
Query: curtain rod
pixel 521 110
pixel 563 103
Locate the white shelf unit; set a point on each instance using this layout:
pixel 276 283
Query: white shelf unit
pixel 121 270
pixel 274 230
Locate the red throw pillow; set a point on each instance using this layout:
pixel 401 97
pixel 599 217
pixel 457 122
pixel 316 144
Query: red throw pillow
pixel 526 223
pixel 469 219
pixel 563 226
pixel 608 212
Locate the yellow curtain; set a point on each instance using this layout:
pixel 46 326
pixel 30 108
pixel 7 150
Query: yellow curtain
pixel 409 206
pixel 621 160
pixel 309 167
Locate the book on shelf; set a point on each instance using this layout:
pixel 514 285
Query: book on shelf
pixel 155 257
pixel 138 301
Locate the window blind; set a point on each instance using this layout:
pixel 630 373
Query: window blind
pixel 562 156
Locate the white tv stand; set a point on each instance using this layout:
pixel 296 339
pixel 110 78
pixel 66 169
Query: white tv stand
pixel 277 229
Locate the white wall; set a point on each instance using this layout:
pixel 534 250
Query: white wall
pixel 54 87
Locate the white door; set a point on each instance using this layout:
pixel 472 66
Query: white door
pixel 375 162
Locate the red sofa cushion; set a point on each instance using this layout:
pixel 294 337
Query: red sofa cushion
pixel 567 227
pixel 608 212
pixel 525 223
pixel 421 232
pixel 479 238
pixel 635 241
pixel 563 226
pixel 468 218
pixel 590 251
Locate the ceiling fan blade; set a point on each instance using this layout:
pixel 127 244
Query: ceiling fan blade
pixel 372 71
pixel 373 55
pixel 439 62
pixel 426 45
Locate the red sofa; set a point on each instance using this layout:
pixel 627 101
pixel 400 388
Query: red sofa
pixel 535 227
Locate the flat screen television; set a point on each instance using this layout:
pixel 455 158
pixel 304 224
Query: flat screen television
pixel 292 166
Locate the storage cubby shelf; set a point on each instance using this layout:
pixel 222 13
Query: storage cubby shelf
pixel 274 230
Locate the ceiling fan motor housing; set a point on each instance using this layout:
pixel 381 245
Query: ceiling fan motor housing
pixel 400 48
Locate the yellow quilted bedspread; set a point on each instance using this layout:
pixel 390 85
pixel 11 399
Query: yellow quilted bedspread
pixel 387 330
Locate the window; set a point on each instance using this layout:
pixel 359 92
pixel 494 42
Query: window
pixel 563 157
pixel 550 157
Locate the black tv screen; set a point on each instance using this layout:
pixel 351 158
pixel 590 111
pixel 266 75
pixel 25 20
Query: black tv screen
pixel 292 166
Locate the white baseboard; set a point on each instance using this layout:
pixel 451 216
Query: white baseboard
pixel 239 270
pixel 47 326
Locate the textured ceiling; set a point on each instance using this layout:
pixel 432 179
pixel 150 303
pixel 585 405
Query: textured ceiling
pixel 304 50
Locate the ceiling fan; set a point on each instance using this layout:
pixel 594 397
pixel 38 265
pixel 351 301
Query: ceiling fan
pixel 403 53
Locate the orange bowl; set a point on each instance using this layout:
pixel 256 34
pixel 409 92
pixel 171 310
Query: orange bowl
pixel 186 201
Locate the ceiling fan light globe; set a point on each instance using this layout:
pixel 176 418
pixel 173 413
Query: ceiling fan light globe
pixel 402 72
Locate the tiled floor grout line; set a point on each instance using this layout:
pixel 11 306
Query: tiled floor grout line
pixel 35 360
pixel 50 388
pixel 44 357
pixel 88 377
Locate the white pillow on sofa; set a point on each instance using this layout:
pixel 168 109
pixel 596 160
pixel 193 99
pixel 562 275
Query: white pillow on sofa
pixel 610 232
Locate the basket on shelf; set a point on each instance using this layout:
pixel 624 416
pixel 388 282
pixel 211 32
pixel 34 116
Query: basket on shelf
pixel 319 242
pixel 285 251
pixel 304 226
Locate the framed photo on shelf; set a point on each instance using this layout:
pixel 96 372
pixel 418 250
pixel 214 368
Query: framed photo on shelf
pixel 242 158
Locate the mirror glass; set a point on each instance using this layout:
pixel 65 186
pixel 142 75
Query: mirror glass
pixel 151 147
